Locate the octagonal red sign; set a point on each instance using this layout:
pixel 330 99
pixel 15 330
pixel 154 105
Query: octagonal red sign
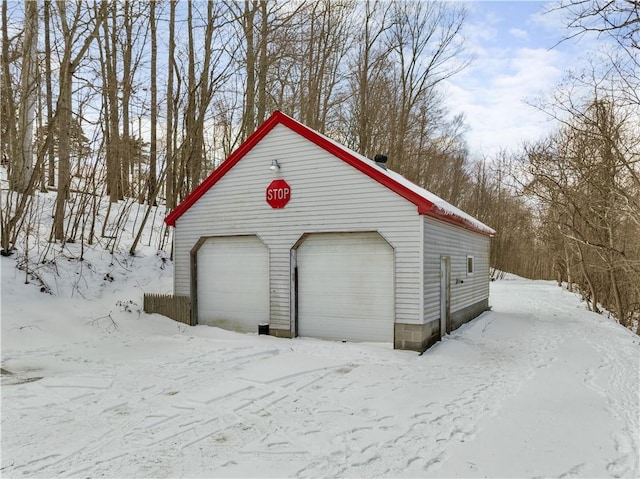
pixel 278 193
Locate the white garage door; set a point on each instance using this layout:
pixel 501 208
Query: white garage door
pixel 233 283
pixel 345 287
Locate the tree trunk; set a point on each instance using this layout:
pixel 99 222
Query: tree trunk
pixel 621 312
pixel 23 161
pixel 10 149
pixel 248 20
pixel 205 91
pixel 114 184
pixel 363 67
pixel 186 151
pixel 170 189
pixel 126 153
pixel 51 165
pixel 64 148
pixel 570 277
pixel 263 64
pixel 151 187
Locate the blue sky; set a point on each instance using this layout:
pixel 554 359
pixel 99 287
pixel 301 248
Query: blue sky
pixel 517 60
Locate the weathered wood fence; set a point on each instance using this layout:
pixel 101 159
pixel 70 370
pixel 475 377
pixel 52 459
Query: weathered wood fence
pixel 177 308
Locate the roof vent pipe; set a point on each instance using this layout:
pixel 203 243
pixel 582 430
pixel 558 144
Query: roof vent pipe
pixel 381 161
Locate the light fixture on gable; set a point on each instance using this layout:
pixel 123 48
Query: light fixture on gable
pixel 275 166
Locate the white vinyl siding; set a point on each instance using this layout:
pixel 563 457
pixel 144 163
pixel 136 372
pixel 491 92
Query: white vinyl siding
pixel 327 195
pixel 233 283
pixel 441 239
pixel 345 287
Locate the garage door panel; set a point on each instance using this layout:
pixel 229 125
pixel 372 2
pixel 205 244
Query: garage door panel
pixel 233 283
pixel 345 287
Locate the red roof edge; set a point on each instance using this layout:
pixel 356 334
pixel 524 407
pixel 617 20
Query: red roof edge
pixel 440 214
pixel 425 207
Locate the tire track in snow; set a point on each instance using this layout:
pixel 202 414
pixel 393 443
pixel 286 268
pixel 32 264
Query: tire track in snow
pixel 132 433
pixel 491 382
pixel 139 435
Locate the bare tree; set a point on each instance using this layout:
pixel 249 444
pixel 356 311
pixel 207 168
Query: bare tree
pixel 324 39
pixel 109 67
pixel 9 109
pixel 617 20
pixel 370 79
pixel 153 148
pixel 247 21
pixel 264 36
pixel 170 184
pixel 620 20
pixel 582 179
pixel 22 162
pixel 426 41
pixel 79 31
pixel 201 86
pixel 49 90
pixel 127 84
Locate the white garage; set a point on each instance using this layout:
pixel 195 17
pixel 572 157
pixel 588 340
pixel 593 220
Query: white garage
pixel 345 287
pixel 233 282
pixel 300 232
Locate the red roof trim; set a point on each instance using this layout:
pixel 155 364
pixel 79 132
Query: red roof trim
pixel 425 207
pixel 440 214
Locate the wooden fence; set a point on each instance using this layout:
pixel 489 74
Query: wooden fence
pixel 177 308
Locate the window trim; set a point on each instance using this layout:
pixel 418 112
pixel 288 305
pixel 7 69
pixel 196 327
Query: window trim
pixel 471 270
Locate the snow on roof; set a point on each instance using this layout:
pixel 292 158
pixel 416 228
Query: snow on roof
pixel 427 203
pixel 443 207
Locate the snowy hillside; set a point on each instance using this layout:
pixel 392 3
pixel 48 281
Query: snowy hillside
pixel 94 387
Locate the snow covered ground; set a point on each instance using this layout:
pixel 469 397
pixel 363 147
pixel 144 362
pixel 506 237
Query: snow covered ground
pixel 94 387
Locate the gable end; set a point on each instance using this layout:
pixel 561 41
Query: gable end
pixel 424 206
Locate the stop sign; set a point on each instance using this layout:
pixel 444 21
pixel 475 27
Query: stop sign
pixel 278 193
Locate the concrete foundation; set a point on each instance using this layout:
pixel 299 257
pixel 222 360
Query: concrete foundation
pixel 280 333
pixel 419 337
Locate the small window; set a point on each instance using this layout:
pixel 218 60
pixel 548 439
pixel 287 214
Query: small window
pixel 470 265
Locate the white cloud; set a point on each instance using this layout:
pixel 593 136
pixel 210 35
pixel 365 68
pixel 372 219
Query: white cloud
pixel 520 59
pixel 493 92
pixel 516 63
pixel 550 18
pixel 519 33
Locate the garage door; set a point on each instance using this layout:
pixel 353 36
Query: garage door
pixel 345 287
pixel 233 283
